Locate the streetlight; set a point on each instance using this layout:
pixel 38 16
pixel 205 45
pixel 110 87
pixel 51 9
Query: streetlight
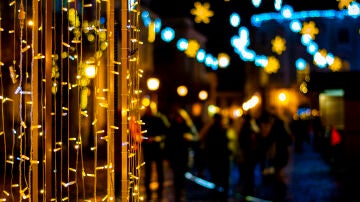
pixel 153 85
pixel 182 91
pixel 203 95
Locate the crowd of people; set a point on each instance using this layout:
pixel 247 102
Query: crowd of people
pixel 252 140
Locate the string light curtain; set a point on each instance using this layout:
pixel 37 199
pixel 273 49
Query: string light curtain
pixel 70 110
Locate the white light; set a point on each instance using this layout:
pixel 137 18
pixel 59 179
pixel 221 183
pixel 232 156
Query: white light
pixel 224 60
pixel 256 3
pixel 90 71
pixel 235 19
pixel 287 11
pixel 167 34
pixel 295 26
pixel 153 84
pixel 182 44
pixel 182 91
pixel 203 95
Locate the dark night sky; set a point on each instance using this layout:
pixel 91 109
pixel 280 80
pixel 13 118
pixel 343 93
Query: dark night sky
pixel 219 31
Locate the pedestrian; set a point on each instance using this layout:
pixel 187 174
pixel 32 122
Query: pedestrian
pixel 249 135
pixel 275 143
pixel 178 142
pixel 153 145
pixel 300 129
pixel 217 154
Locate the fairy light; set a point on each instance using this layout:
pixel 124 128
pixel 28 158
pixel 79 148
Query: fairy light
pixel 73 172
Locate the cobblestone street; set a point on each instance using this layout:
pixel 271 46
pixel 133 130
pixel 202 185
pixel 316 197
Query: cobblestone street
pixel 308 179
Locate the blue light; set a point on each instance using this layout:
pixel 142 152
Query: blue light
pixel 167 34
pixel 258 19
pixel 306 39
pixel 261 60
pixel 102 20
pixel 209 60
pixel 330 58
pixel 256 3
pixel 277 4
pixel 287 11
pixel 235 19
pixel 215 64
pixel 246 55
pixel 200 55
pixel 158 24
pixel 312 48
pixel 320 60
pixel 300 64
pixel 200 181
pixel 295 26
pixel 182 44
pixel 145 15
pixel 354 9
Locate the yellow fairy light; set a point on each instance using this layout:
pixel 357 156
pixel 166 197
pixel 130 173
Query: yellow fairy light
pixel 104 198
pixel 25 48
pixel 66 45
pixel 34 162
pixel 56 149
pixel 25 157
pixel 68 183
pixel 278 45
pixel 6 193
pixel 72 170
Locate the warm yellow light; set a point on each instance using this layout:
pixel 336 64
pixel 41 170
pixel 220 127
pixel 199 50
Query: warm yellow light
pixel 151 33
pixel 196 109
pixel 182 90
pixel 282 97
pixel 212 109
pixel 145 101
pixel 90 71
pixel 224 60
pixel 30 23
pixel 251 103
pixel 238 112
pixel 203 95
pixel 153 84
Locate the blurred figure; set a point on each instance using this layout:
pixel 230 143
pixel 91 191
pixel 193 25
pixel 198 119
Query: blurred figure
pixel 181 133
pixel 217 156
pixel 319 132
pixel 300 129
pixel 276 139
pixel 249 135
pixel 153 146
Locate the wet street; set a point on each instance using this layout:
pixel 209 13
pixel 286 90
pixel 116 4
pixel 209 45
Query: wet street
pixel 308 177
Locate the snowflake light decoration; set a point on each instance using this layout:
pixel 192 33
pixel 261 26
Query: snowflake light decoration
pixel 336 65
pixel 310 29
pixel 202 12
pixel 278 45
pixel 272 66
pixel 344 3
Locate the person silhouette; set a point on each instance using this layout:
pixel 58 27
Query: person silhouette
pixel 178 141
pixel 217 154
pixel 153 146
pixel 249 137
